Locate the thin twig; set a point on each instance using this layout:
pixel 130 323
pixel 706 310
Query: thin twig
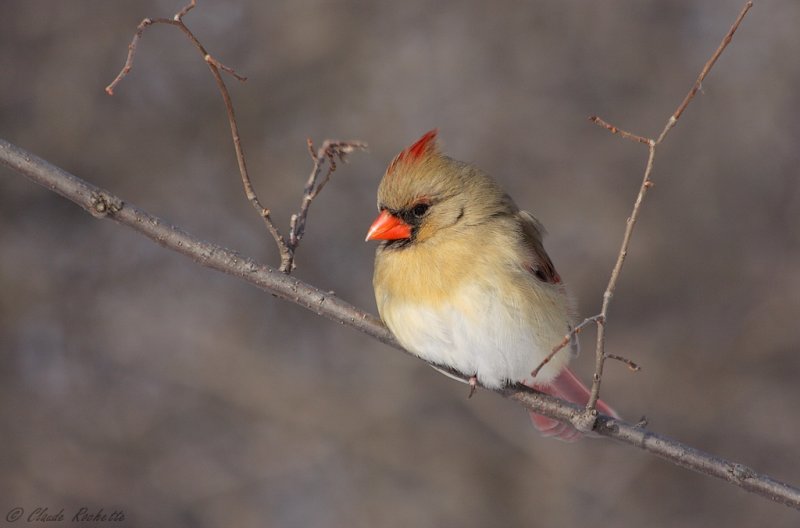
pixel 215 66
pixel 600 355
pixel 631 365
pixel 177 20
pixel 103 204
pixel 329 151
pixel 698 84
pixel 188 7
pixel 132 51
pixel 564 342
pixel 614 130
pixel 227 69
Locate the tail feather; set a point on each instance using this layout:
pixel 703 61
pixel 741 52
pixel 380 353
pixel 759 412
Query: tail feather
pixel 553 428
pixel 567 387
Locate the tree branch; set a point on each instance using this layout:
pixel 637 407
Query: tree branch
pixel 586 422
pixel 329 150
pixel 102 204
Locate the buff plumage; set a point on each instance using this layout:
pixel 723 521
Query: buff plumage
pixel 463 281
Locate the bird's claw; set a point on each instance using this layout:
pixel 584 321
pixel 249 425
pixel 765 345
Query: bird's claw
pixel 473 385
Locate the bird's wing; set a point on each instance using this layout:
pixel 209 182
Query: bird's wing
pixel 539 264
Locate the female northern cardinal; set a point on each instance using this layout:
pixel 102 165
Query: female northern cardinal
pixel 463 281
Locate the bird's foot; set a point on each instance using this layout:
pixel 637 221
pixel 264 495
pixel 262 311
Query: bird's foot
pixel 473 385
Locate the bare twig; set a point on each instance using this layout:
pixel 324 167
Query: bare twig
pixel 564 342
pixel 103 204
pixel 227 69
pixel 215 66
pixel 131 52
pixel 177 20
pixel 590 413
pixel 698 85
pixel 600 355
pixel 614 130
pixel 631 365
pixel 188 7
pixel 330 149
pixel 329 152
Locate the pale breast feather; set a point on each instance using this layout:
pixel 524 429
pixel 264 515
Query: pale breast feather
pixel 482 331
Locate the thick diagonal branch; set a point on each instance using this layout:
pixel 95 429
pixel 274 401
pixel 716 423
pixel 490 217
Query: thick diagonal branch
pixel 102 204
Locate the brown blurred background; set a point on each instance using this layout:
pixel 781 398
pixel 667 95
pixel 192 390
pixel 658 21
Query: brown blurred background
pixel 132 378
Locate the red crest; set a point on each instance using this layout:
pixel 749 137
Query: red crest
pixel 422 147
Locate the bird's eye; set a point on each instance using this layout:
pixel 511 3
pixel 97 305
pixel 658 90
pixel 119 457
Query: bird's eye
pixel 420 209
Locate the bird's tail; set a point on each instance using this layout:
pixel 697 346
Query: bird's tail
pixel 567 387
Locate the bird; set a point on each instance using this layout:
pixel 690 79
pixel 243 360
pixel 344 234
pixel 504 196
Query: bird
pixel 463 281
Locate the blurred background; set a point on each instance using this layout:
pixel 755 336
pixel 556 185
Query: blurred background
pixel 133 379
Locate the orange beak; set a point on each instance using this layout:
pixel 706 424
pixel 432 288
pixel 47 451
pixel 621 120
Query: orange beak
pixel 388 227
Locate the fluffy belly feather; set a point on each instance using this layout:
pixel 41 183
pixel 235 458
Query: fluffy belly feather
pixel 498 336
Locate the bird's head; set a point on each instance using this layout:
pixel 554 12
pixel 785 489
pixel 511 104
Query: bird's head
pixel 423 193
